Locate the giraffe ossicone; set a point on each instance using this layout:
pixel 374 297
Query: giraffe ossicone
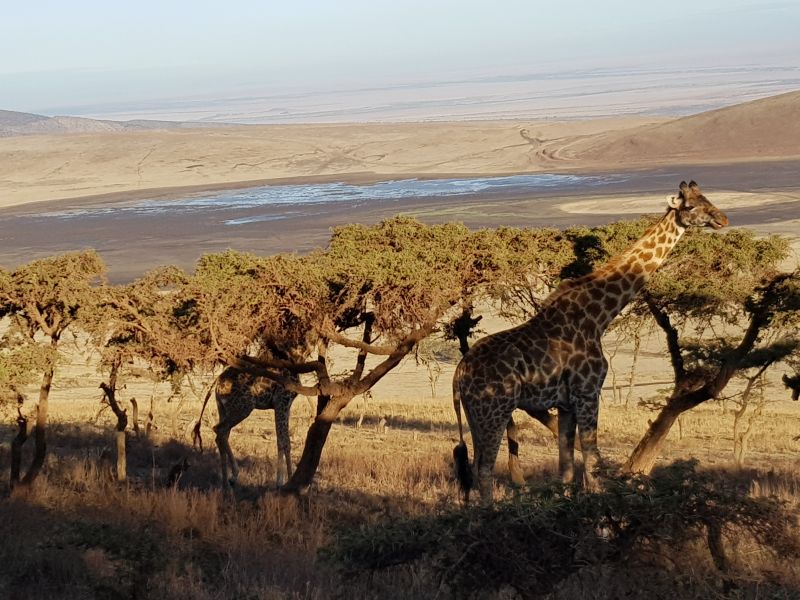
pixel 555 360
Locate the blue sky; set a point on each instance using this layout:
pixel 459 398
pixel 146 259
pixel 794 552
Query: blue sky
pixel 62 54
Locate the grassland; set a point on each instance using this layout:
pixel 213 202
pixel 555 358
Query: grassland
pixel 79 534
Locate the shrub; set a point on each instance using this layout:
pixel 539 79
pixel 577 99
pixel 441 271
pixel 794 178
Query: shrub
pixel 536 540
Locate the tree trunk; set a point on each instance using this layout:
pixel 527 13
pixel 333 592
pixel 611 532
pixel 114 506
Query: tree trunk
pixel 148 427
pixel 122 457
pixel 175 416
pixel 135 416
pixel 744 436
pixel 40 429
pixel 738 451
pixel 110 390
pixel 16 449
pixel 616 393
pixel 327 410
pixel 637 347
pixel 646 452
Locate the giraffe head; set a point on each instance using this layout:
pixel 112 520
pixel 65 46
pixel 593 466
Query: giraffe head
pixel 694 209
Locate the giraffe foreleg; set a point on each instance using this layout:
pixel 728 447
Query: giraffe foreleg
pixel 566 445
pixel 226 455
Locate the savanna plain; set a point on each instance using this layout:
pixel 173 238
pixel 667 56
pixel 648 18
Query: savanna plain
pixel 716 516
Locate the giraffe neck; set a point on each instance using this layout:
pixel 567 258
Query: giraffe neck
pixel 625 275
pixel 591 302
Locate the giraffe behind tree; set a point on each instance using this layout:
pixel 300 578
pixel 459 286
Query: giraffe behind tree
pixel 556 359
pixel 238 393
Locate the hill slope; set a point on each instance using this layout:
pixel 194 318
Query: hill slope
pixel 766 128
pixel 14 123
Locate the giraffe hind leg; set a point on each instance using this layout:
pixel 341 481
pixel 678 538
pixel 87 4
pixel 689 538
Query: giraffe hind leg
pixel 512 434
pixel 284 461
pixel 485 456
pixel 587 432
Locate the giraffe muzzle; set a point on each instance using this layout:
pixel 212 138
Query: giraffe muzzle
pixel 719 221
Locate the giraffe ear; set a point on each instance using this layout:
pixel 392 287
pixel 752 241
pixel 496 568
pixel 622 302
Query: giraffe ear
pixel 673 201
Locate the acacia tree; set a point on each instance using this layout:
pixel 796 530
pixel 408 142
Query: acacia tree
pixel 44 299
pixel 725 310
pixel 375 291
pixel 139 322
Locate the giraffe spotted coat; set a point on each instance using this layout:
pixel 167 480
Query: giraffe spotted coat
pixel 239 393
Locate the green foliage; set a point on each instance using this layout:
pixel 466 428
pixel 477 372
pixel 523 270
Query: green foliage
pixel 55 287
pixel 42 297
pixel 143 320
pixel 402 271
pixel 519 267
pixel 712 275
pixel 21 359
pixel 591 247
pixel 236 300
pixel 536 540
pixel 6 287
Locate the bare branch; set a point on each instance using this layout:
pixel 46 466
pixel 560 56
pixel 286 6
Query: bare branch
pixel 362 354
pixel 401 350
pixel 673 342
pixel 361 345
pixel 249 365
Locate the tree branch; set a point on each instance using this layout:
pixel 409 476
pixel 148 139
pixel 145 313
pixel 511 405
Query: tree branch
pixel 254 367
pixel 401 350
pixel 361 359
pixel 673 342
pixel 341 339
pixel 731 364
pixel 37 317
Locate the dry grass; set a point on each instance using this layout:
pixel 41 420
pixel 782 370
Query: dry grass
pixel 78 534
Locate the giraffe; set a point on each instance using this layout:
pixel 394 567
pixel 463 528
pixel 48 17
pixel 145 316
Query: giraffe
pixel 555 360
pixel 237 394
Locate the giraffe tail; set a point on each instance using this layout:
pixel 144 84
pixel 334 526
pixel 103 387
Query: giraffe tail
pixel 197 438
pixel 461 464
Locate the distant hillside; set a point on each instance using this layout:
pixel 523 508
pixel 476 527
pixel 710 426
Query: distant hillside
pixel 765 128
pixel 20 123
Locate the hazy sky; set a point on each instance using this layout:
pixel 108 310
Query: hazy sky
pixel 56 54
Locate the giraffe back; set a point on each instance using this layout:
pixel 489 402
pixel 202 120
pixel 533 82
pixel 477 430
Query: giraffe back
pixel 239 393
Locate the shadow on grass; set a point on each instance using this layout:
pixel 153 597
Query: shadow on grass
pixel 82 535
pixel 678 525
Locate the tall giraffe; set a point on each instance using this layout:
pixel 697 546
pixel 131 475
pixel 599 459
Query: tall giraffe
pixel 556 359
pixel 237 394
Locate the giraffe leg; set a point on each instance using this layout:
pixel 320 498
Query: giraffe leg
pixel 234 465
pixel 545 418
pixel 566 445
pixel 517 478
pixel 587 431
pixel 485 456
pixel 225 454
pixel 284 460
